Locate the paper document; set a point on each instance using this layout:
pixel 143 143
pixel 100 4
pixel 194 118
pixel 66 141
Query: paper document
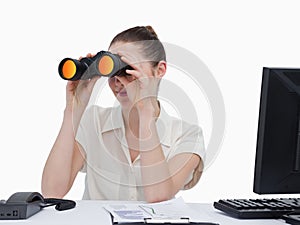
pixel 126 213
pixel 172 210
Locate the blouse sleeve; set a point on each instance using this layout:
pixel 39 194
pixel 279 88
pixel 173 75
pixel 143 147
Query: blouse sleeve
pixel 190 141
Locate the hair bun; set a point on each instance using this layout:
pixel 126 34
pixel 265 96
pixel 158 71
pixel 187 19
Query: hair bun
pixel 151 30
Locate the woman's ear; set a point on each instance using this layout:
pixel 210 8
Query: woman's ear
pixel 161 69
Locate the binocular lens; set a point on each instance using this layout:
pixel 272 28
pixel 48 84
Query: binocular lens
pixel 68 69
pixel 106 65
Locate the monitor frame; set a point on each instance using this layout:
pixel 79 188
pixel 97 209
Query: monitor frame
pixel 277 160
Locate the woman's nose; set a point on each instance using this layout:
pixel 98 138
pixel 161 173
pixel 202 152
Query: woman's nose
pixel 116 80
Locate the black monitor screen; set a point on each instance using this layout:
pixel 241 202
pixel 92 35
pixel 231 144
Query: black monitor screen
pixel 277 163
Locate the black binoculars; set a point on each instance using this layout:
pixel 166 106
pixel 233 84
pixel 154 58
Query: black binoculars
pixel 103 63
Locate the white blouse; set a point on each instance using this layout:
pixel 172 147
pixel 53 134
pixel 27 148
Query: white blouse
pixel 110 173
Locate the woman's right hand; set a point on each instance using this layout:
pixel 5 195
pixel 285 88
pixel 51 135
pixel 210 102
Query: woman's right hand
pixel 78 94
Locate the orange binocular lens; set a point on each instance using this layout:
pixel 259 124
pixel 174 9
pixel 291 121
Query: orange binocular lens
pixel 106 65
pixel 102 64
pixel 69 69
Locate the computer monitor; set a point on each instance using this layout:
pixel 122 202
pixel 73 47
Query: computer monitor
pixel 277 162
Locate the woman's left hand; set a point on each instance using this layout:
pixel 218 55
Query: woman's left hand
pixel 141 85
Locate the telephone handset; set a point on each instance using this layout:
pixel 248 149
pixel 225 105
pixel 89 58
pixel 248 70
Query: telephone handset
pixel 22 205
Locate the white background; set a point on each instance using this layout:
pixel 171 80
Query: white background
pixel 235 39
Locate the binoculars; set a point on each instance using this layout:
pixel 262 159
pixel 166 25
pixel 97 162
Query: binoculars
pixel 103 63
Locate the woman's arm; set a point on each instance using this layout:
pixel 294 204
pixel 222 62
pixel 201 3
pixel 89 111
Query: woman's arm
pixel 66 157
pixel 162 179
pixel 64 161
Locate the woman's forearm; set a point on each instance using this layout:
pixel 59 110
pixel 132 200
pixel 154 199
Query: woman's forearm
pixel 58 168
pixel 156 178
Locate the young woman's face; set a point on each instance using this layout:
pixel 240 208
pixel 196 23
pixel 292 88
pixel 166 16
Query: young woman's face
pixel 133 55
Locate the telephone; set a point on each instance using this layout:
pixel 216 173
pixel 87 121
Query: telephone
pixel 22 205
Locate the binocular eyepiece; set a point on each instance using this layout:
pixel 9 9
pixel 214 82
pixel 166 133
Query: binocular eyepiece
pixel 103 63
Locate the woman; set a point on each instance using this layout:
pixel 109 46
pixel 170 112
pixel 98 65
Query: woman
pixel 131 152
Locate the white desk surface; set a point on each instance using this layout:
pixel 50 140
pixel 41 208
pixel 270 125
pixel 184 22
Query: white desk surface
pixel 91 212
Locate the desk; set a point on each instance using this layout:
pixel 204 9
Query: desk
pixel 91 212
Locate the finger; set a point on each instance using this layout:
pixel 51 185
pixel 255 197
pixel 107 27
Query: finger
pixel 89 55
pixel 72 85
pixel 136 74
pixel 130 63
pixel 138 67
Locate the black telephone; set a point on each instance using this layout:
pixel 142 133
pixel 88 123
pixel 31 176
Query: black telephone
pixel 22 205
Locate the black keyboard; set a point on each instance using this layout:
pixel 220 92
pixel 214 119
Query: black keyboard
pixel 259 208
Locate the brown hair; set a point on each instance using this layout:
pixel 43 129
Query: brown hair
pixel 146 37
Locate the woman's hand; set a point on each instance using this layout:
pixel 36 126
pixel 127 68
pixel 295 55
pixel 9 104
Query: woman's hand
pixel 78 94
pixel 141 85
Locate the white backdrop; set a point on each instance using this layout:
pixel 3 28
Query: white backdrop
pixel 235 39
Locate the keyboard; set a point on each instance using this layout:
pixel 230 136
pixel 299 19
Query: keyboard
pixel 259 208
